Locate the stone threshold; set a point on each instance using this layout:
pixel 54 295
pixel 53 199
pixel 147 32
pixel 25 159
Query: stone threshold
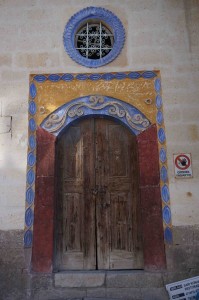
pixel 90 298
pixel 101 298
pixel 108 279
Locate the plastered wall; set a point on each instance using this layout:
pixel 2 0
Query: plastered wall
pixel 160 35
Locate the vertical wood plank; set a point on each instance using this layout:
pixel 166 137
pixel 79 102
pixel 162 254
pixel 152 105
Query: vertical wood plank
pixel 119 240
pixel 102 199
pixel 75 210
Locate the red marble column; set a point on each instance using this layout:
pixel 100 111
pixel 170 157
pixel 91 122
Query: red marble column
pixel 151 204
pixel 42 251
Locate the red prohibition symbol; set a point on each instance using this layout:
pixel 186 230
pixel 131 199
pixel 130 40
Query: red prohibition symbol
pixel 182 162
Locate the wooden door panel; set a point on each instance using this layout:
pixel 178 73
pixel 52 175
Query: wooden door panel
pixel 118 184
pixel 102 232
pixel 72 185
pixel 121 260
pixel 73 210
pixel 72 261
pixel 117 178
pixel 98 221
pixel 73 143
pixel 102 207
pixel 76 206
pixel 117 150
pixel 120 225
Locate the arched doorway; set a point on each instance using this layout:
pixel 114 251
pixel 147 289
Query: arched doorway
pixel 98 214
pixel 47 136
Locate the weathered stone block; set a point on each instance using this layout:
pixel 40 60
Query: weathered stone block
pixel 192 254
pixel 5 60
pixel 182 258
pixel 183 235
pixel 13 278
pixel 96 292
pixel 196 234
pixel 170 277
pixel 192 273
pixel 134 279
pixel 41 281
pixel 124 293
pixel 101 298
pixel 58 294
pixel 30 60
pixel 8 75
pixel 79 279
pixel 154 294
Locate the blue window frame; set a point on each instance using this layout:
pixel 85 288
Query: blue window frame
pixel 94 24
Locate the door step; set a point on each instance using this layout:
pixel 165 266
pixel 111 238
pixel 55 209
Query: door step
pixel 89 298
pixel 101 298
pixel 108 279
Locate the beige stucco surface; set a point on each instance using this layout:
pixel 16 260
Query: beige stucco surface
pixel 160 35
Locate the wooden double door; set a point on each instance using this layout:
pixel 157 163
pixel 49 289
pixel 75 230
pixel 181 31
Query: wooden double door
pixel 97 213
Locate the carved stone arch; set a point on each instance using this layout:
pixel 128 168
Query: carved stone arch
pixel 96 105
pixel 147 143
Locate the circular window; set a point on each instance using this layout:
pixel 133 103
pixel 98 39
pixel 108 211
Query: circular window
pixel 94 37
pixel 94 40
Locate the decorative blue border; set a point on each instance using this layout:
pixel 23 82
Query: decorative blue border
pixel 81 17
pixel 94 77
pixel 31 161
pixel 166 212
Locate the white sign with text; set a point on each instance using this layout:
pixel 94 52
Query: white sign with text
pixel 184 290
pixel 182 165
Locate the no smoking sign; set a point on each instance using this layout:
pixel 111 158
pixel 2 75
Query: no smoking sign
pixel 182 165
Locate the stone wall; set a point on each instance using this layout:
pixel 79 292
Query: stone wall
pixel 13 279
pixel 161 35
pixel 17 283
